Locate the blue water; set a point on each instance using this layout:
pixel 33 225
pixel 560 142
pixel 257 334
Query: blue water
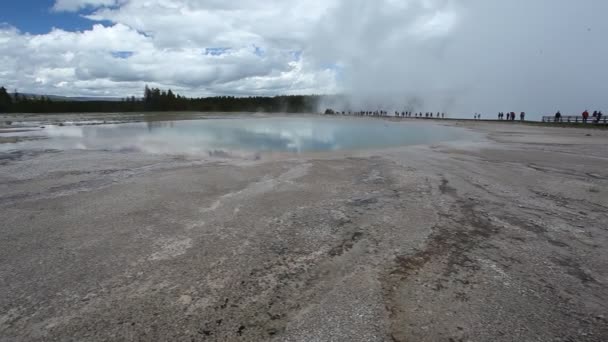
pixel 247 135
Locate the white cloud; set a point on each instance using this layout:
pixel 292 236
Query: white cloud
pixel 452 55
pixel 118 60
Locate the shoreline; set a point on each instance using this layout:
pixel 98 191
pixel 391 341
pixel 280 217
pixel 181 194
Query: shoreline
pixel 126 117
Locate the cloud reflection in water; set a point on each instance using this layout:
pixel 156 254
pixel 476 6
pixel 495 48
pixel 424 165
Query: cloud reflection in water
pixel 242 135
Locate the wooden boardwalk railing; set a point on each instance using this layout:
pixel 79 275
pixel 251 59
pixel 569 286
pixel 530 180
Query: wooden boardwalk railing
pixel 575 119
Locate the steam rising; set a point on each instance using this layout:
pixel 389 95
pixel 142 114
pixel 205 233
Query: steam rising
pixel 470 56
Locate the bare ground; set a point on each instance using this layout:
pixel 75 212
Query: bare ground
pixel 503 239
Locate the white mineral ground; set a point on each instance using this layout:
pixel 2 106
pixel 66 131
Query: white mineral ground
pixel 504 238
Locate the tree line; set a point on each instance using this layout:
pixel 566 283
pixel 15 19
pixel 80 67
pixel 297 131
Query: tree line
pixel 155 99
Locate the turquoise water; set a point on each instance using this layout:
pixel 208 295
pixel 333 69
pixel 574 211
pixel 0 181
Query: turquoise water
pixel 247 135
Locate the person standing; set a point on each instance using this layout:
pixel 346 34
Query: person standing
pixel 586 115
pixel 522 116
pixel 558 116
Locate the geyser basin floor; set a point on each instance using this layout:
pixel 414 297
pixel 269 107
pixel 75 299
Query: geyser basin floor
pixel 500 241
pixel 270 134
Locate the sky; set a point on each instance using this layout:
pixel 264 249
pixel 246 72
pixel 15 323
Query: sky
pixel 455 56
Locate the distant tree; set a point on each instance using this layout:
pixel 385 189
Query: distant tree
pixel 155 99
pixel 6 102
pixel 147 98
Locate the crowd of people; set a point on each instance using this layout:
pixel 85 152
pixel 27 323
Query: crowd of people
pixel 596 117
pixel 585 117
pixel 428 115
pixel 510 116
pixel 397 114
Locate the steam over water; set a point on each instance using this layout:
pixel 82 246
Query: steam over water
pixel 464 57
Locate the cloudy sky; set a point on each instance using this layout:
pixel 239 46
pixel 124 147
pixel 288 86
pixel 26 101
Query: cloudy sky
pixel 460 56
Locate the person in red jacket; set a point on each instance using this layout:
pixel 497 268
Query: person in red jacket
pixel 585 116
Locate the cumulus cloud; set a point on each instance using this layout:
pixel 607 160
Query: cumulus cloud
pixel 441 55
pixel 255 50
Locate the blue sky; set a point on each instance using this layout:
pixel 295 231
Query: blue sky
pixel 36 17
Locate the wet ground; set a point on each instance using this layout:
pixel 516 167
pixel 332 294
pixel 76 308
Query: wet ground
pixel 500 239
